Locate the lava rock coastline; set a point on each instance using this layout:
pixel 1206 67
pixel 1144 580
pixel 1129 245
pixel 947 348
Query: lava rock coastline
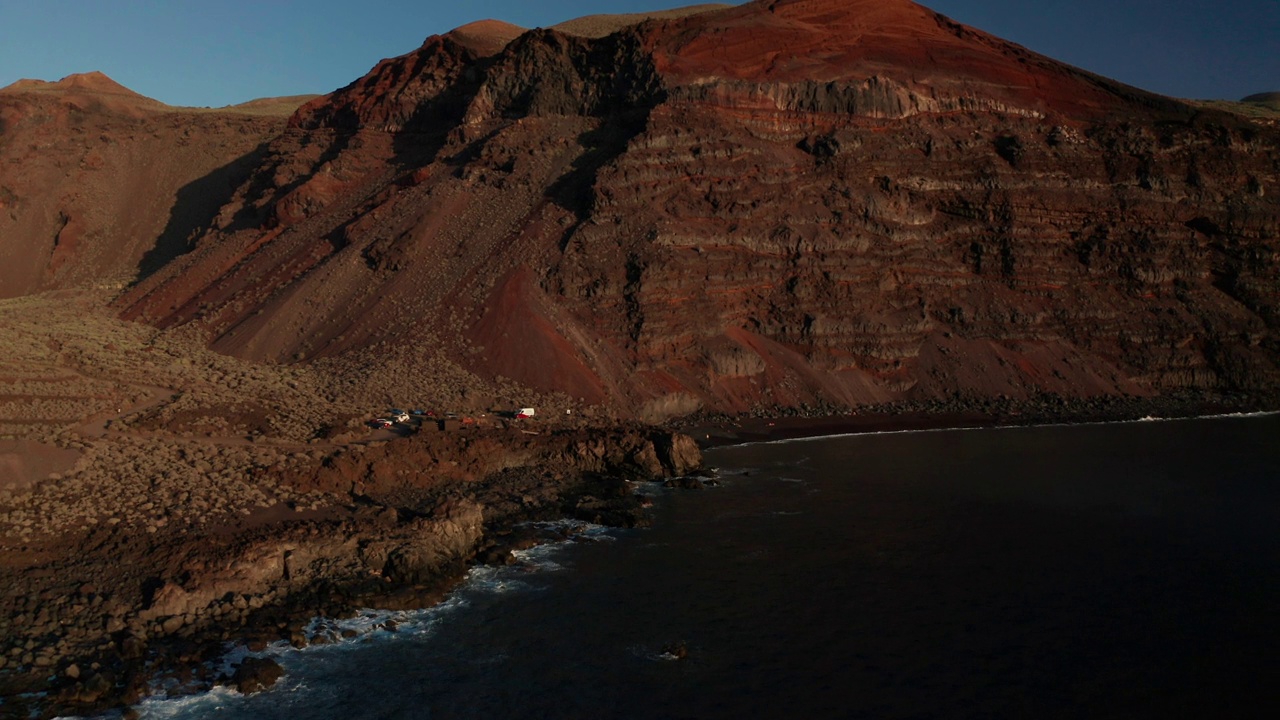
pixel 404 522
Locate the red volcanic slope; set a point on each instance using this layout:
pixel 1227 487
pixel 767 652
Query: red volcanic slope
pixel 99 182
pixel 780 203
pixel 94 83
pixel 823 41
pixel 597 26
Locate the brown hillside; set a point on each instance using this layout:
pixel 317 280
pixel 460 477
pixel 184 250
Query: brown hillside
pixel 90 83
pixel 1268 100
pixel 487 36
pixel 597 26
pixel 275 106
pixel 101 184
pixel 780 203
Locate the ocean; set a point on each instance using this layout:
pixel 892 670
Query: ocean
pixel 1120 570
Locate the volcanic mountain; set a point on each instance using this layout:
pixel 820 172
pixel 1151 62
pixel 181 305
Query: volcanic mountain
pixel 783 203
pixel 99 183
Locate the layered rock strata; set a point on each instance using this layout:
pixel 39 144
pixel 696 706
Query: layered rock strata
pixel 771 205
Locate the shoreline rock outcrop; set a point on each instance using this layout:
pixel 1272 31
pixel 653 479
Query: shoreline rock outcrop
pixel 417 514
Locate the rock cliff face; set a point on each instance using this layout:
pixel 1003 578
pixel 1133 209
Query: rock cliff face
pixel 780 203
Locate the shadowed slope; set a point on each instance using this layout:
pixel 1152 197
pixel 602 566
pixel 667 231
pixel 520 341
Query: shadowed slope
pixel 92 191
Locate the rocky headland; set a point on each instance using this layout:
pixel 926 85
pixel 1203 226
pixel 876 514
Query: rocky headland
pixel 727 223
pixel 97 621
pixel 153 516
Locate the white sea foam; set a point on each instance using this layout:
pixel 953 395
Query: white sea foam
pixel 648 653
pixel 498 580
pixel 649 488
pixel 1222 416
pixel 170 700
pixel 569 527
pixel 162 707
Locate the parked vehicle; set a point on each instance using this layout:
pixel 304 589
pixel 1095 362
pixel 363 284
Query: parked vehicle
pixel 525 413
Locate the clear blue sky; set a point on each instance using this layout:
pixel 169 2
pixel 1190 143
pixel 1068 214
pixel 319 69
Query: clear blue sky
pixel 219 52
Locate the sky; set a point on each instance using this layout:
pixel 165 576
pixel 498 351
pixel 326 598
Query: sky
pixel 221 52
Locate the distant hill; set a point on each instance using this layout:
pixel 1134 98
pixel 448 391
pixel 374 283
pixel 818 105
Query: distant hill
pixel 487 37
pixel 1267 99
pixel 1264 107
pixel 271 107
pixel 102 184
pixel 96 83
pixel 110 96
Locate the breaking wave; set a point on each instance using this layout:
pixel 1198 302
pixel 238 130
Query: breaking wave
pixel 331 638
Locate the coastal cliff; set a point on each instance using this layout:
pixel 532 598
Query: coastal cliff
pixel 708 213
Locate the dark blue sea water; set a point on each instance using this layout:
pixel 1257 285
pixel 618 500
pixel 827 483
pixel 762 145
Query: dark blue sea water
pixel 1124 571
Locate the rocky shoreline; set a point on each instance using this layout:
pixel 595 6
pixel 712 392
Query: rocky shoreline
pixel 967 412
pixel 395 525
pixel 98 624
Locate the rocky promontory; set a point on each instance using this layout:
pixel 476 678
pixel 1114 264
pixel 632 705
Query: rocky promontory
pixel 387 525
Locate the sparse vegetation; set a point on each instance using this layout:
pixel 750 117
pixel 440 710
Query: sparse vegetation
pixel 1267 99
pixel 179 463
pixel 165 429
pixel 595 26
pixel 1265 110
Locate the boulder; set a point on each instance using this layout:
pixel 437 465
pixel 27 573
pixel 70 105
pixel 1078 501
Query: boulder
pixel 94 688
pixel 256 674
pixel 678 453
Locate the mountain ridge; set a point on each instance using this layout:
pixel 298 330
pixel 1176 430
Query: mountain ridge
pixel 783 204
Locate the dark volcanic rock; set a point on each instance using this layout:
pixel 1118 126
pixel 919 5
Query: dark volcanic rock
pixel 256 674
pixel 402 523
